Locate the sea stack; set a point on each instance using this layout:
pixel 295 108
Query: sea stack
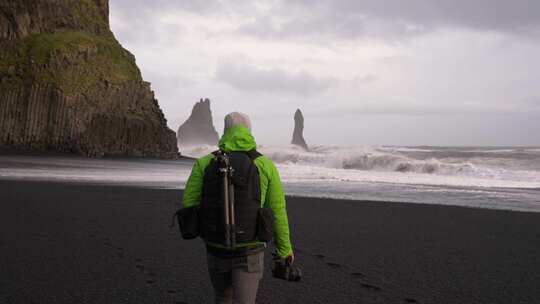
pixel 198 129
pixel 67 85
pixel 298 133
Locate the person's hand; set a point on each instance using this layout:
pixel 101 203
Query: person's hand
pixel 290 258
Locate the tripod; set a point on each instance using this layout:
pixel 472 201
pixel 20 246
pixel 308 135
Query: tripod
pixel 228 198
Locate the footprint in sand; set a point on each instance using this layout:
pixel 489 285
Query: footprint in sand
pixel 371 287
pixel 107 242
pixel 333 265
pixel 120 252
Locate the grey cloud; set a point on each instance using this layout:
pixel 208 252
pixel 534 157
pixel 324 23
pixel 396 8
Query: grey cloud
pixel 484 14
pixel 392 18
pixel 533 103
pixel 363 79
pixel 138 8
pixel 139 22
pixel 419 109
pixel 168 81
pixel 251 78
pixel 147 9
pixel 345 19
pixel 305 28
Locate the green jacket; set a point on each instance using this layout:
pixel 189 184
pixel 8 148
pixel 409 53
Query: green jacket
pixel 239 138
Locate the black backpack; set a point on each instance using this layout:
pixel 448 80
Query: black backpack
pixel 211 219
pixel 242 220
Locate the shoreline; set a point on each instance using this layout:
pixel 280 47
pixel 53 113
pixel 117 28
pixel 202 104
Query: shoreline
pixel 174 173
pixel 145 185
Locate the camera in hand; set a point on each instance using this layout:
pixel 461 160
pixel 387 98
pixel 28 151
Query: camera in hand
pixel 282 269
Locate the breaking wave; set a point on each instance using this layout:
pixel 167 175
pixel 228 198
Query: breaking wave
pixel 451 166
pixel 420 161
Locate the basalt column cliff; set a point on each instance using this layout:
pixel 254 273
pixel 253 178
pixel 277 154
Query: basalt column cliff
pixel 67 85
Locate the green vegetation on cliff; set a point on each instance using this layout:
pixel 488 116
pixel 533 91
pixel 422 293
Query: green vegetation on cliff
pixel 74 61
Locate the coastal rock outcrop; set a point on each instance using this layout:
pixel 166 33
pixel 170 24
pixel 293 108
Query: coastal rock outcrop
pixel 198 129
pixel 67 85
pixel 298 133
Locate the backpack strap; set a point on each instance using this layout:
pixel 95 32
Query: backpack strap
pixel 253 154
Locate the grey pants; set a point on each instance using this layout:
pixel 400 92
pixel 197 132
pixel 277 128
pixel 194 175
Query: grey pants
pixel 236 280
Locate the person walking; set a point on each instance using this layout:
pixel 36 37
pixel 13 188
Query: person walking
pixel 236 263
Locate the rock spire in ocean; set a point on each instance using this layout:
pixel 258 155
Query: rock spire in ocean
pixel 198 129
pixel 67 85
pixel 298 133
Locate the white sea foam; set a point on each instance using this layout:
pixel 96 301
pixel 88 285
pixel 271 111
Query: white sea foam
pixel 405 165
pixel 299 173
pixel 383 165
pixel 197 151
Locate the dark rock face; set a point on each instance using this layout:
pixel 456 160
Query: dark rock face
pixel 198 128
pixel 21 18
pixel 67 85
pixel 298 133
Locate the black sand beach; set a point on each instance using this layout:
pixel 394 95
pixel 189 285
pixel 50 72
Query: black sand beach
pixel 76 243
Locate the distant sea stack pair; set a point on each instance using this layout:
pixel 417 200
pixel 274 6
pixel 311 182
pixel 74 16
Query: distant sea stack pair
pixel 67 85
pixel 199 129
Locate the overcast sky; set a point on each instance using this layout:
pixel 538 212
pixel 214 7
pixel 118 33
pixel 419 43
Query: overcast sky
pixel 364 72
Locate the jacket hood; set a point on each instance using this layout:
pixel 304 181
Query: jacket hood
pixel 237 138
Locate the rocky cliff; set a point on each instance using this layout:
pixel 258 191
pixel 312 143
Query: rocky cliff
pixel 67 85
pixel 198 128
pixel 298 133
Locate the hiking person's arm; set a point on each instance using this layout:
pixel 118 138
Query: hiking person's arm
pixel 193 191
pixel 275 199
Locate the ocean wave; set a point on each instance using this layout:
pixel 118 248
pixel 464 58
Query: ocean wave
pixel 386 160
pixel 293 173
pixel 363 158
pixel 197 151
pixel 402 163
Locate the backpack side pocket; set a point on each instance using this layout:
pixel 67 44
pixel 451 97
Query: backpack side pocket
pixel 188 222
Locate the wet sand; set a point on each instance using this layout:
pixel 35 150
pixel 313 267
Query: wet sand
pixel 77 243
